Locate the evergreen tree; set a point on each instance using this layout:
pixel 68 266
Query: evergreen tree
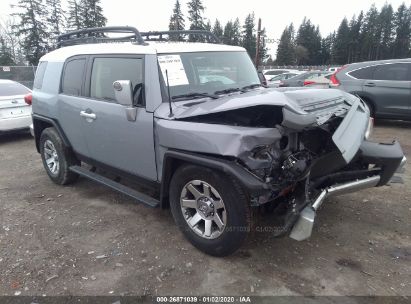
pixel 236 32
pixel 286 47
pixel 326 49
pixel 341 43
pixel 195 16
pixel 74 20
pixel 370 36
pixel 56 18
pixel 402 22
pixel 218 29
pixel 92 14
pixel 6 57
pixel 263 51
pixel 309 37
pixel 228 35
pixel 354 47
pixel 177 22
pixel 386 30
pixel 32 29
pixel 249 40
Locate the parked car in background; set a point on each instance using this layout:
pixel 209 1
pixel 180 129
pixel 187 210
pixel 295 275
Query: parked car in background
pixel 333 69
pixel 300 80
pixel 385 86
pixel 15 113
pixel 321 82
pixel 274 72
pixel 274 82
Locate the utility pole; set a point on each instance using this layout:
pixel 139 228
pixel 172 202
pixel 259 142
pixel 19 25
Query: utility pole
pixel 257 54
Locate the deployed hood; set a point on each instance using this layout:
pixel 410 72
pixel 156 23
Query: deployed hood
pixel 299 101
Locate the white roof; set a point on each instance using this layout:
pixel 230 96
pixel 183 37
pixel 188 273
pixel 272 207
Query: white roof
pixel 6 81
pixel 60 55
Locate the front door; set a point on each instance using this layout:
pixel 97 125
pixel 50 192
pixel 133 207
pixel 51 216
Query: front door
pixel 111 137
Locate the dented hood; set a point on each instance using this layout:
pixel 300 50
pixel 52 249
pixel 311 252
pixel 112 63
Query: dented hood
pixel 296 100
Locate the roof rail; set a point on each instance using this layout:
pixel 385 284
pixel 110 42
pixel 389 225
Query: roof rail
pixel 97 35
pixel 177 35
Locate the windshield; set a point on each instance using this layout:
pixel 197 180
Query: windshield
pixel 13 88
pixel 207 72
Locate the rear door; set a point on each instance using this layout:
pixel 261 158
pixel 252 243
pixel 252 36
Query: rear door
pixel 390 88
pixel 112 138
pixel 71 102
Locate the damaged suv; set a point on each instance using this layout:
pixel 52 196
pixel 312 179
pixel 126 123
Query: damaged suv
pixel 191 124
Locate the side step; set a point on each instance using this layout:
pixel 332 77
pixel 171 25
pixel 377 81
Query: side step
pixel 140 197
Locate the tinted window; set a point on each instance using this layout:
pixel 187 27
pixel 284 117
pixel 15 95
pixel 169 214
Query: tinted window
pixel 13 88
pixel 395 72
pixel 41 70
pixel 364 73
pixel 73 77
pixel 107 70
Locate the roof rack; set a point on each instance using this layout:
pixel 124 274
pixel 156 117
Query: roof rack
pixel 177 35
pixel 97 35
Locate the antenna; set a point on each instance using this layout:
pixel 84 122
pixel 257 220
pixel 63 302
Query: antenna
pixel 169 96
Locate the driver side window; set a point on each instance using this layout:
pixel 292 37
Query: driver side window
pixel 106 70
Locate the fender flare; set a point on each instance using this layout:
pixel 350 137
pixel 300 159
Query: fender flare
pixel 172 159
pixel 37 127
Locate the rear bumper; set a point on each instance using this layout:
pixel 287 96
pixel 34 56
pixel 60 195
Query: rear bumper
pixel 18 123
pixel 387 158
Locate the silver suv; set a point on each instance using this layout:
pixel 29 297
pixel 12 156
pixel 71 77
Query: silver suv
pixel 385 86
pixel 191 123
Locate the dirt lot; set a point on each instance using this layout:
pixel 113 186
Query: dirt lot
pixel 88 240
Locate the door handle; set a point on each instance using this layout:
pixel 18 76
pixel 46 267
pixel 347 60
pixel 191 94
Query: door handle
pixel 88 115
pixel 370 84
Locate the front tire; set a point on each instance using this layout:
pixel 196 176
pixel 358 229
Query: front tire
pixel 210 208
pixel 57 158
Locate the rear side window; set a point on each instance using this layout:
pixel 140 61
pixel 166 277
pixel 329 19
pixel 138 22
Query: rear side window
pixel 393 72
pixel 41 70
pixel 73 77
pixel 106 71
pixel 364 73
pixel 13 88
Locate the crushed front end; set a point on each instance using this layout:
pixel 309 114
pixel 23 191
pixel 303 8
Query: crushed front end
pixel 322 153
pixel 290 148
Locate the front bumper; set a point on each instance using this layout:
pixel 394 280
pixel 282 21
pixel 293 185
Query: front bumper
pixel 385 159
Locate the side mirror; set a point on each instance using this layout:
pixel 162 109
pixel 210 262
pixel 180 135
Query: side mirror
pixel 123 91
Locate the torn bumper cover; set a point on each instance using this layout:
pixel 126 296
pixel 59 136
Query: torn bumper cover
pixel 388 158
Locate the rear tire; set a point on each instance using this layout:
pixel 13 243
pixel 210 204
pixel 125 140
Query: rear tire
pixel 57 158
pixel 200 213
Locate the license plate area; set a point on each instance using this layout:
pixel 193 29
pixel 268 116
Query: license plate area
pixel 14 112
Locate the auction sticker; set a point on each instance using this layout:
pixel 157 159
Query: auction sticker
pixel 175 69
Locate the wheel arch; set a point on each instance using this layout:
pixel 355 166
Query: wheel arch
pixel 368 99
pixel 40 123
pixel 174 159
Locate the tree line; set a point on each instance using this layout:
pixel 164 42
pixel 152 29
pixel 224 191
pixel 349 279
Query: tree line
pixel 374 35
pixel 34 25
pixel 231 33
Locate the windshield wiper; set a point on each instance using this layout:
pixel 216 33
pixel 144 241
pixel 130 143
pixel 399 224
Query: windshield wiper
pixel 227 91
pixel 252 86
pixel 194 95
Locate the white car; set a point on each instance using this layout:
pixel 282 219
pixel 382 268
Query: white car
pixel 15 112
pixel 274 72
pixel 274 82
pixel 322 81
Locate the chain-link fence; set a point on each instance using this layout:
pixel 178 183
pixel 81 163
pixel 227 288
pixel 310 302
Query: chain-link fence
pixel 22 74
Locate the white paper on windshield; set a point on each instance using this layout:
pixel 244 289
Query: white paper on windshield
pixel 174 66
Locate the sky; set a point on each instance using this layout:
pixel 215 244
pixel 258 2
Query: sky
pixel 275 14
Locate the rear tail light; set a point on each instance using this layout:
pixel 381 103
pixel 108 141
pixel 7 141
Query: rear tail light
pixel 334 82
pixel 308 82
pixel 28 99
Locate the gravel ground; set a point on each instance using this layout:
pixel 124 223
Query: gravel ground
pixel 87 240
